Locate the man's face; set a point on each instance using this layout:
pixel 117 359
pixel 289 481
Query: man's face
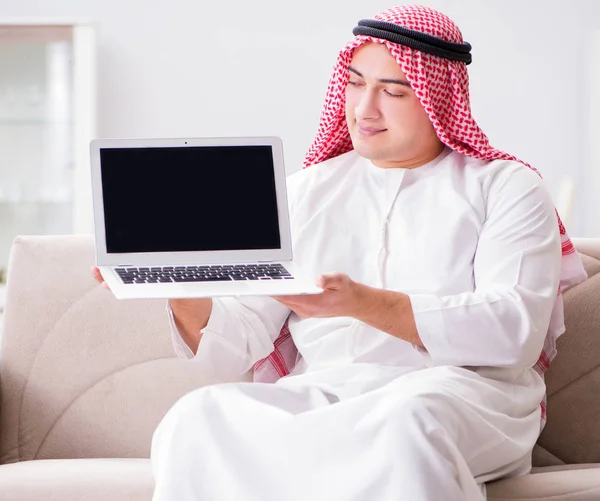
pixel 386 121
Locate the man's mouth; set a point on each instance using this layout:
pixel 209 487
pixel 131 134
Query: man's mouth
pixel 369 131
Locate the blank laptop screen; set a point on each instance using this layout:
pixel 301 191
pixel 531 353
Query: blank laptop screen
pixel 195 198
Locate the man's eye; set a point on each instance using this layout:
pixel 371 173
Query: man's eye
pixel 354 84
pixel 391 94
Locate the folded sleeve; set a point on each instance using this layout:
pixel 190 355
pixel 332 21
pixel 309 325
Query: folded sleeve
pixel 239 333
pixel 182 350
pixel 517 263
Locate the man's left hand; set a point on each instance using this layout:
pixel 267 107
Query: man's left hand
pixel 340 298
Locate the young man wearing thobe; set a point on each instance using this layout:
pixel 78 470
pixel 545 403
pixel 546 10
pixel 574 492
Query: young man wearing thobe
pixel 419 369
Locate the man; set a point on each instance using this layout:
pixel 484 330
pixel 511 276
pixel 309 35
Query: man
pixel 419 374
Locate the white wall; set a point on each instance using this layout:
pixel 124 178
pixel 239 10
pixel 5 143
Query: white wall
pixel 190 67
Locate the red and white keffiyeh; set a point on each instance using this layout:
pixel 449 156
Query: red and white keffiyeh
pixel 442 87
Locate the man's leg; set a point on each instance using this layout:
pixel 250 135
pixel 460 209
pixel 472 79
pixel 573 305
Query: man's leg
pixel 429 435
pixel 441 433
pixel 229 442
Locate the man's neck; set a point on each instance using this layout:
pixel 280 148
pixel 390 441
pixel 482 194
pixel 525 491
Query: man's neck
pixel 413 163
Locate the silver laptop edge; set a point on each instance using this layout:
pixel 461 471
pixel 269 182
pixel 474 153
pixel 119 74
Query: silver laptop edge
pixel 103 258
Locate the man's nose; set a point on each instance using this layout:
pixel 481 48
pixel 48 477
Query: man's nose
pixel 366 107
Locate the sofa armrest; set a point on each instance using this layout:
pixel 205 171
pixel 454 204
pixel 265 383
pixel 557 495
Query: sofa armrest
pixel 82 374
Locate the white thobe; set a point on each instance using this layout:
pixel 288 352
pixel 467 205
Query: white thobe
pixel 365 415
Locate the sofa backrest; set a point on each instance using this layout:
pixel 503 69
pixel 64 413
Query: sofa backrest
pixel 85 375
pixel 81 373
pixel 572 434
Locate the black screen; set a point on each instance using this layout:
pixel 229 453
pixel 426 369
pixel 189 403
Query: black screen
pixel 199 198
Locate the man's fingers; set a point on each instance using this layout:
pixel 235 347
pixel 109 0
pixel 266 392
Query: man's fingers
pixel 96 274
pixel 98 277
pixel 286 300
pixel 331 280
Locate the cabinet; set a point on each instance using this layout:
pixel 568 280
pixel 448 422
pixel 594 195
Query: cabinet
pixel 47 119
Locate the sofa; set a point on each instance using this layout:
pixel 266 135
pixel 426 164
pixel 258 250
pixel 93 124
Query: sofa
pixel 85 379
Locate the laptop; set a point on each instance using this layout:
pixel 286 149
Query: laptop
pixel 191 218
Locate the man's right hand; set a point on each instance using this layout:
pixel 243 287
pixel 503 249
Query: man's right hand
pixel 190 315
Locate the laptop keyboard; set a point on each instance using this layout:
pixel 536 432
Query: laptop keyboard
pixel 215 273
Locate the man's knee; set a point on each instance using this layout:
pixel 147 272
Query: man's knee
pixel 427 406
pixel 190 408
pixel 425 410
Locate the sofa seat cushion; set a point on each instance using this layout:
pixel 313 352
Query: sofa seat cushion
pixel 77 480
pixel 556 483
pixel 131 480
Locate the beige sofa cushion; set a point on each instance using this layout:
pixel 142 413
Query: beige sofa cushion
pixel 572 434
pixel 131 480
pixel 575 483
pixel 77 480
pixel 82 374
